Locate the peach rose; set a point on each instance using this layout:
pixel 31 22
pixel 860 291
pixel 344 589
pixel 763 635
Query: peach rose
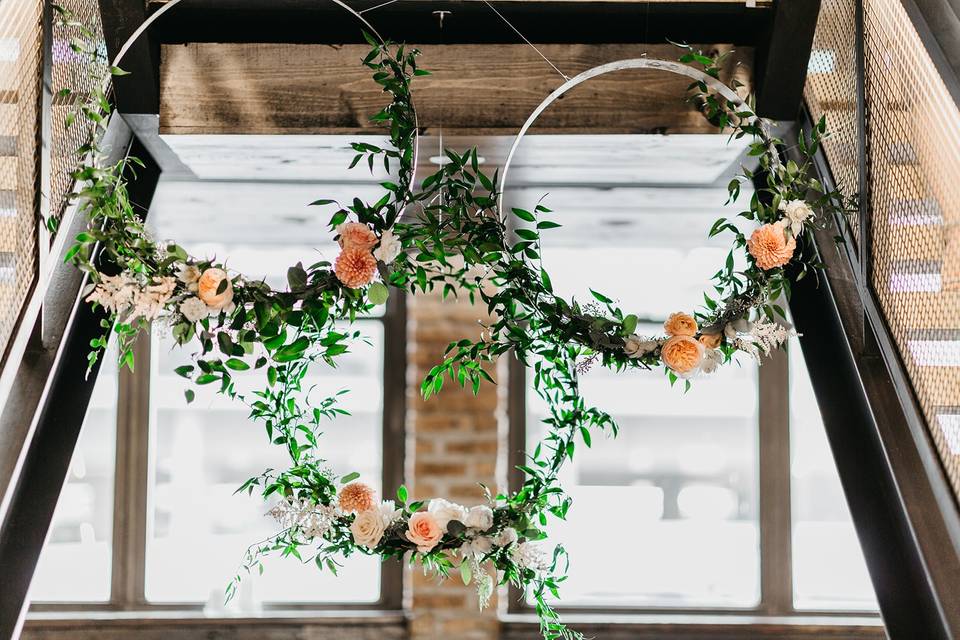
pixel 355 267
pixel 680 324
pixel 711 340
pixel 770 246
pixel 209 285
pixel 354 235
pixel 682 355
pixel 423 531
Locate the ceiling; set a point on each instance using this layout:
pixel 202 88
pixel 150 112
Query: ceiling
pixel 633 207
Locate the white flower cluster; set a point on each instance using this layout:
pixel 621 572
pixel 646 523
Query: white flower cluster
pixel 313 520
pixel 758 338
pixel 125 297
pixel 795 213
pixel 527 555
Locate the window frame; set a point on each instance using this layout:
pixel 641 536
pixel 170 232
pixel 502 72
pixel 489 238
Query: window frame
pixel 132 469
pixel 775 518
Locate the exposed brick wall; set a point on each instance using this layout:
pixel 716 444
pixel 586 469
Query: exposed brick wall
pixel 453 442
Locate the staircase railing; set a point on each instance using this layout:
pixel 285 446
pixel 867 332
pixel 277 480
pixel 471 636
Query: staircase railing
pixel 45 328
pixel 887 313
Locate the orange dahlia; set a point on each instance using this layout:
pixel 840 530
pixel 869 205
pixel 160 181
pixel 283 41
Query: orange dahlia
pixel 356 497
pixel 770 246
pixel 355 267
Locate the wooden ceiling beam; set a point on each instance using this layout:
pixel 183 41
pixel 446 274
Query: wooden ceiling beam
pixel 466 21
pixel 211 88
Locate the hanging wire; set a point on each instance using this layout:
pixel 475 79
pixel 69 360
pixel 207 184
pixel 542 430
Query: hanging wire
pixel 375 7
pixel 524 38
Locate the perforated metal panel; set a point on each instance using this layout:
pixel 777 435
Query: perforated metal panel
pixel 21 58
pixel 79 73
pixel 913 129
pixel 831 92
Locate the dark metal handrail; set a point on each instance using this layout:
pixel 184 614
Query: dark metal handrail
pixel 48 403
pixel 903 508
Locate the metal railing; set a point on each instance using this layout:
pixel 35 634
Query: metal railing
pixel 900 149
pixel 21 73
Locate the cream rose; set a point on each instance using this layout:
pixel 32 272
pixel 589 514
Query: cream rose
pixel 478 547
pixel 444 511
pixel 209 285
pixel 194 309
pixel 506 537
pixel 479 517
pixel 711 360
pixel 189 275
pixel 424 531
pixel 367 528
pixel 389 247
pixel 680 324
pixel 636 347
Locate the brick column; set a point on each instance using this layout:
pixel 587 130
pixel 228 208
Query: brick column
pixel 452 441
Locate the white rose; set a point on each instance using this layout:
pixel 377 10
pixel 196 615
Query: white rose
pixel 479 517
pixel 506 537
pixel 796 212
pixel 636 347
pixel 367 528
pixel 389 247
pixel 711 360
pixel 478 547
pixel 188 273
pixel 444 511
pixel 388 512
pixel 194 309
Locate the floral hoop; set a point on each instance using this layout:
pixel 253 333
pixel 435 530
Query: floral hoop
pixel 446 234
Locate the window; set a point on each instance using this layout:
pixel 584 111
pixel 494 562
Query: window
pixel 177 465
pixel 686 479
pixel 828 568
pixel 76 561
pixel 729 491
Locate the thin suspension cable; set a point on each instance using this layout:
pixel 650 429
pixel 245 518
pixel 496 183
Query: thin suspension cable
pixel 382 4
pixel 524 38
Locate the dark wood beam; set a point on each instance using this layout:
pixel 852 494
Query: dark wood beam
pixel 474 89
pixel 782 56
pixel 138 92
pixel 466 22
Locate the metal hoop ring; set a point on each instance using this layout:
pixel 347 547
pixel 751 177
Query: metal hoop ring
pixel 153 18
pixel 634 63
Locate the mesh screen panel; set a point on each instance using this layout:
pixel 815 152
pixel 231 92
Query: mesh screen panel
pixel 73 71
pixel 914 161
pixel 831 92
pixel 21 56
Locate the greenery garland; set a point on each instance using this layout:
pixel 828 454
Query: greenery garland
pixel 451 238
